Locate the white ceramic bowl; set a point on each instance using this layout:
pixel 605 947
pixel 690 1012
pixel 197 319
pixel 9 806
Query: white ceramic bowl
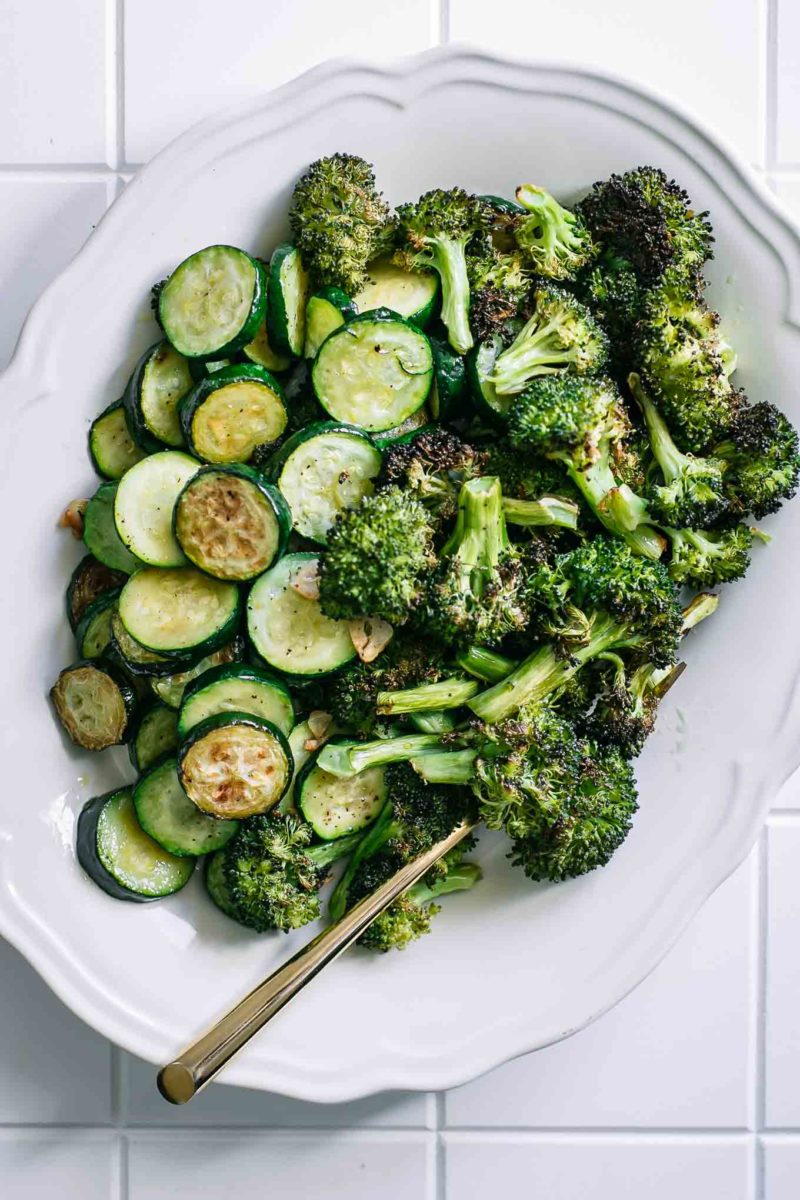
pixel 511 966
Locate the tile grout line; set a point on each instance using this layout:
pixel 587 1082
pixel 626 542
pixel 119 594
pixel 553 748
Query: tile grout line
pixel 771 85
pixel 440 1152
pixel 760 1064
pixel 444 22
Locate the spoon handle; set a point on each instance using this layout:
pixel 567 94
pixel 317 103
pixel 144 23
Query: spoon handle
pixel 197 1065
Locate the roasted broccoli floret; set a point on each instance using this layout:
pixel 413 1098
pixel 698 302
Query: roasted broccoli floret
pixel 693 489
pixel 581 423
pixel 705 558
pixel 410 917
pixel 273 873
pixel 646 219
pixel 415 817
pixel 611 289
pixel 377 558
pixel 627 601
pixel 591 827
pixel 436 231
pixel 678 354
pixel 763 460
pixel 432 468
pixel 624 714
pixel 478 591
pixel 407 662
pixel 554 241
pixel 499 288
pixel 560 335
pixel 527 476
pixel 340 221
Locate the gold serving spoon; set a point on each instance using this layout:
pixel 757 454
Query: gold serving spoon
pixel 181 1080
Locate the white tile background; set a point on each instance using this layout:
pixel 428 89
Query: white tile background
pixel 691 1087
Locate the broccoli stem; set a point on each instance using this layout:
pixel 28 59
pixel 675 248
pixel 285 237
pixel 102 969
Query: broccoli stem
pixel 428 697
pixel 330 852
pixel 457 879
pixel 547 510
pixel 485 664
pixel 618 507
pixel 346 759
pixel 704 604
pixel 672 462
pixel 449 766
pixel 542 672
pixel 433 722
pixel 480 536
pixel 448 258
pixel 370 843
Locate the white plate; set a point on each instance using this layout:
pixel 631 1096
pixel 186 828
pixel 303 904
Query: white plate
pixel 511 966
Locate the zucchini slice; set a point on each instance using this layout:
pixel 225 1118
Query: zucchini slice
pixel 100 531
pixel 230 523
pixel 160 379
pixel 480 367
pixel 119 857
pixel 287 296
pixel 289 631
pixel 236 687
pixel 93 632
pixel 335 807
pixel 179 610
pixel 144 504
pixel 300 756
pixel 155 734
pixel 136 659
pixel 234 765
pixel 374 372
pixel 323 470
pixel 412 294
pixel 213 303
pixel 170 688
pixel 111 447
pixel 217 888
pixel 89 580
pixel 166 813
pixel 326 310
pixel 231 412
pixel 448 395
pixel 260 352
pixel 94 703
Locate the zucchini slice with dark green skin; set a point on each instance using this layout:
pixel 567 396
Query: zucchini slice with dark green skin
pixel 480 366
pixel 213 303
pixel 136 659
pixel 100 531
pixel 236 687
pixel 287 295
pixel 155 734
pixel 160 380
pixel 120 858
pixel 94 703
pixel 166 813
pixel 234 765
pixel 327 309
pixel 448 395
pixel 231 523
pixel 169 689
pixel 89 580
pixel 179 611
pixel 405 432
pixel 93 632
pixel 289 631
pixel 336 807
pixel 260 351
pixel 228 414
pixel 323 470
pixel 217 888
pixel 144 503
pixel 374 372
pixel 111 447
pixel 412 294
